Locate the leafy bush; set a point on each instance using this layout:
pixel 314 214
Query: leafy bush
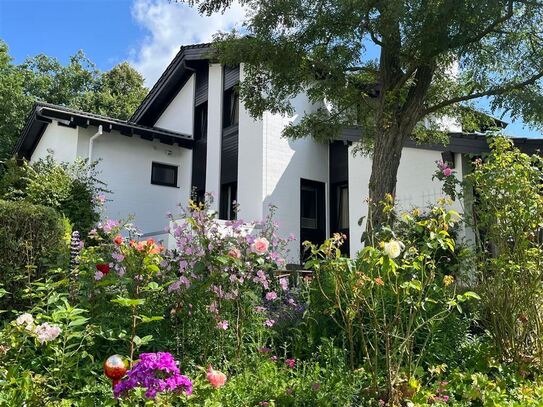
pixel 71 189
pixel 508 219
pixel 31 239
pixel 390 300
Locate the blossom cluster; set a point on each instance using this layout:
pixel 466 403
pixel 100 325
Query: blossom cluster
pixel 234 256
pixel 157 373
pixel 44 332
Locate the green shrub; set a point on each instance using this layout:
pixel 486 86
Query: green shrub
pixel 508 221
pixel 71 189
pixel 31 238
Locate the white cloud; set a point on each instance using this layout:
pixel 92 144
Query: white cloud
pixel 171 25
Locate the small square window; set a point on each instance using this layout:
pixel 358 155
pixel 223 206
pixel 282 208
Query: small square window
pixel 164 174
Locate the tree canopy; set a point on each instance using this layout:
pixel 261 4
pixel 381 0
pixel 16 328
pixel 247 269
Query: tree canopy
pixel 79 85
pixel 391 68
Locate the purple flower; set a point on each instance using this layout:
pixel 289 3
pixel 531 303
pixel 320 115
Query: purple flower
pixel 222 325
pixel 98 275
pixel 117 256
pixel 272 295
pixel 269 323
pixel 109 225
pixel 283 282
pixel 157 373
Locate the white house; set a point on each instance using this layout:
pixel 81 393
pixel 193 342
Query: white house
pixel 192 132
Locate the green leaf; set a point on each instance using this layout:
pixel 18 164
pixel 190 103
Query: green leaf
pixel 78 322
pixel 128 302
pixel 146 320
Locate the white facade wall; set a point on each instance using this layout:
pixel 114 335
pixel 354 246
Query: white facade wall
pixel 250 165
pixel 179 115
pixel 58 141
pixel 285 162
pixel 414 188
pixel 125 167
pixel 214 132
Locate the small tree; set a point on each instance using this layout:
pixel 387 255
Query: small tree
pixel 432 58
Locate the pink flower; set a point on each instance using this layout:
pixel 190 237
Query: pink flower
pixel 216 378
pixel 447 172
pixel 273 358
pixel 234 253
pixel 260 245
pixel 222 325
pixel 290 363
pixel 283 282
pixel 272 295
pixel 269 323
pixel 98 275
pixel 46 332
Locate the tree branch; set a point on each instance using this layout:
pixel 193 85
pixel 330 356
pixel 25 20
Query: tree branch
pixel 498 90
pixel 509 14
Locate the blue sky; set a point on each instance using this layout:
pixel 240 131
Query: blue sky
pixel 147 33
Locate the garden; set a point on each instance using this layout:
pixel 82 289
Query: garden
pixel 93 314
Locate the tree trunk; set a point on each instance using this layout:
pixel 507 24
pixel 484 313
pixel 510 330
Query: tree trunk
pixel 396 119
pixel 387 152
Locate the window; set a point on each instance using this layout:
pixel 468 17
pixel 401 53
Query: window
pixel 229 192
pixel 343 207
pixel 230 108
pixel 309 201
pixel 164 174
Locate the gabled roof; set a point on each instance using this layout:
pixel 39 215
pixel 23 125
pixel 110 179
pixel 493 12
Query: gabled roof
pixel 43 113
pixel 171 81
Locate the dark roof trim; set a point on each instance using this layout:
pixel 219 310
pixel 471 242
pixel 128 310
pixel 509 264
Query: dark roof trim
pixel 44 113
pixel 466 143
pixel 170 82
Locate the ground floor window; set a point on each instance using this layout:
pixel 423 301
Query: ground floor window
pixel 228 198
pixel 164 174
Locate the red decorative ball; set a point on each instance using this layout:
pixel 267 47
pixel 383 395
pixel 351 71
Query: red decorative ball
pixel 115 368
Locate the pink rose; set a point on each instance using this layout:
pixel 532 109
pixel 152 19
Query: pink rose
pixel 216 378
pixel 234 253
pixel 260 245
pixel 447 172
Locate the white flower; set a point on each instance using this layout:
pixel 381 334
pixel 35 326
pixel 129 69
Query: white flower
pixel 25 319
pixel 393 248
pixel 46 332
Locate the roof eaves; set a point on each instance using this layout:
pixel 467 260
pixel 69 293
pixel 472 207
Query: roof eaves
pixel 201 51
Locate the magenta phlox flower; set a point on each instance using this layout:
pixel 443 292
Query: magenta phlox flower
pixel 290 363
pixel 157 373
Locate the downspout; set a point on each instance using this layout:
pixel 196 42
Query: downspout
pixel 91 142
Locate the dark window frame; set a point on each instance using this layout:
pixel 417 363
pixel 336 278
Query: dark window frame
pixel 164 166
pixel 231 107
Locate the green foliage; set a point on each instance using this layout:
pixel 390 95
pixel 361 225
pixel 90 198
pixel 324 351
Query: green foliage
pixel 391 299
pixel 31 238
pixel 79 85
pixel 508 213
pixel 330 47
pixel 70 189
